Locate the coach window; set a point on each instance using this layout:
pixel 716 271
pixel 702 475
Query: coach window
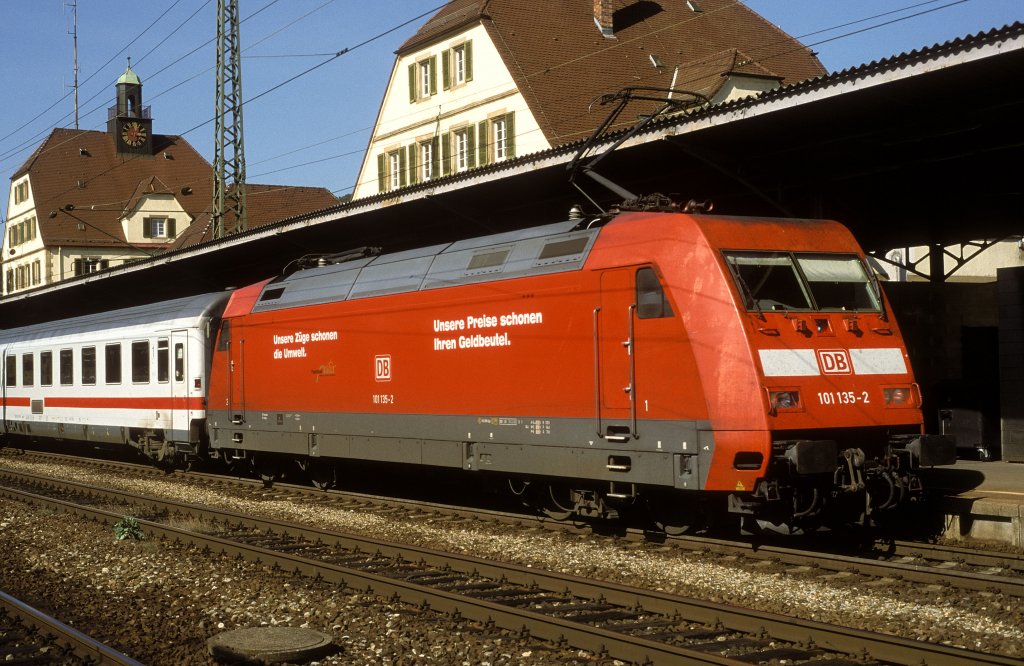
pixel 112 363
pixel 163 360
pixel 140 362
pixel 67 367
pixel 179 362
pixel 88 365
pixel 46 368
pixel 28 369
pixel 651 302
pixel 12 371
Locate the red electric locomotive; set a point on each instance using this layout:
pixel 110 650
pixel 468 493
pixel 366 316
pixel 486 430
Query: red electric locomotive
pixel 657 359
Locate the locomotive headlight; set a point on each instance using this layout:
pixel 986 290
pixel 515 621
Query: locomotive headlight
pixel 898 396
pixel 784 400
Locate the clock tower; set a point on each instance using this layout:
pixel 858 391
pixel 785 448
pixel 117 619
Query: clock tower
pixel 128 122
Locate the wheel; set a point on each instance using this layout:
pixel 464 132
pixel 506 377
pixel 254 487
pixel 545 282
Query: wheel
pixel 268 469
pixel 675 516
pixel 323 475
pixel 557 502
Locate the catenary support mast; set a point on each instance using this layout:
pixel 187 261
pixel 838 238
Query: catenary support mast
pixel 229 146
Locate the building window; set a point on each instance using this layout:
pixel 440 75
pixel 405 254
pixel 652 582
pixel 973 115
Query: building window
pixel 458 65
pixel 499 133
pixel 87 265
pixel 422 79
pixel 463 150
pixel 21 192
pixel 158 227
pixel 394 170
pixel 427 157
pixel 37 272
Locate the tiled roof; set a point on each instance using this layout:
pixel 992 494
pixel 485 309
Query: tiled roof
pixel 561 62
pixel 265 204
pixel 77 177
pixel 78 180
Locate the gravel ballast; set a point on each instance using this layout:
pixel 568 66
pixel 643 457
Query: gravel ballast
pixel 987 622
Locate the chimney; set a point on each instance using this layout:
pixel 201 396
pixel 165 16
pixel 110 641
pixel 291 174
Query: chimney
pixel 603 17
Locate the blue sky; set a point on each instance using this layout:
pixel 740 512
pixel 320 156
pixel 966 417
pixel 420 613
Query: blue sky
pixel 313 130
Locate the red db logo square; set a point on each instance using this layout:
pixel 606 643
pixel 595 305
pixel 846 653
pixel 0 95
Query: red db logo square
pixel 835 362
pixel 382 368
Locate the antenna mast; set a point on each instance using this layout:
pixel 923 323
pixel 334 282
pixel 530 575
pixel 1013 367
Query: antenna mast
pixel 229 146
pixel 74 41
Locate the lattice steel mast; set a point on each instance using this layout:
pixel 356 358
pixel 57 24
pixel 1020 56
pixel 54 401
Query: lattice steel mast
pixel 229 146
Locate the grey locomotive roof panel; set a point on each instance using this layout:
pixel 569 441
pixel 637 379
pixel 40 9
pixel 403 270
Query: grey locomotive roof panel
pixel 179 310
pixel 551 248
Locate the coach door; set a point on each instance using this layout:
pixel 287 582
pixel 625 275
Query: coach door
pixel 613 357
pixel 181 416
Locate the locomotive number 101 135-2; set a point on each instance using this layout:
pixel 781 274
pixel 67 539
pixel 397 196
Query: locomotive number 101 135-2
pixel 843 398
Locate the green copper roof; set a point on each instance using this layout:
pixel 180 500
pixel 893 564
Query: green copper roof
pixel 129 77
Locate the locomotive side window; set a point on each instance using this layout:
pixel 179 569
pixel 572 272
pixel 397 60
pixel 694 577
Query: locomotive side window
pixel 67 367
pixel 28 369
pixel 88 365
pixel 112 363
pixel 163 360
pixel 651 302
pixel 140 362
pixel 838 282
pixel 11 375
pixel 46 368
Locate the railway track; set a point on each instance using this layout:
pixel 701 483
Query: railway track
pixel 942 565
pixel 626 623
pixel 29 636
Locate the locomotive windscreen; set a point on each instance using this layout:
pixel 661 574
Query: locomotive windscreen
pixel 803 281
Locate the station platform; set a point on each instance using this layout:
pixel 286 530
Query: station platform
pixel 981 500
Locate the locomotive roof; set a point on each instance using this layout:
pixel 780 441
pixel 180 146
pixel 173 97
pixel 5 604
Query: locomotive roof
pixel 551 248
pixel 177 313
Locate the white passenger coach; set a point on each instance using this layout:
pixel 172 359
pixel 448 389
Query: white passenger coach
pixel 135 376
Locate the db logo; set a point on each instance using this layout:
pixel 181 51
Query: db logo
pixel 382 368
pixel 834 361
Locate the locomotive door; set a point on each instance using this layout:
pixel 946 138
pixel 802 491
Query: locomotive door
pixel 613 338
pixel 236 376
pixel 181 417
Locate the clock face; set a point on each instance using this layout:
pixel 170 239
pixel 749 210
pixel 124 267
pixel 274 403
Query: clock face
pixel 133 134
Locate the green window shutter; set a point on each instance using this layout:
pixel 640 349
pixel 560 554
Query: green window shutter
pixel 403 167
pixel 414 175
pixel 147 228
pixel 446 69
pixel 412 83
pixel 433 75
pixel 470 147
pixel 435 156
pixel 171 228
pixel 469 60
pixel 510 135
pixel 380 172
pixel 446 154
pixel 482 142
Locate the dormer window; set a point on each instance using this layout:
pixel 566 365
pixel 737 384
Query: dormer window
pixel 158 227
